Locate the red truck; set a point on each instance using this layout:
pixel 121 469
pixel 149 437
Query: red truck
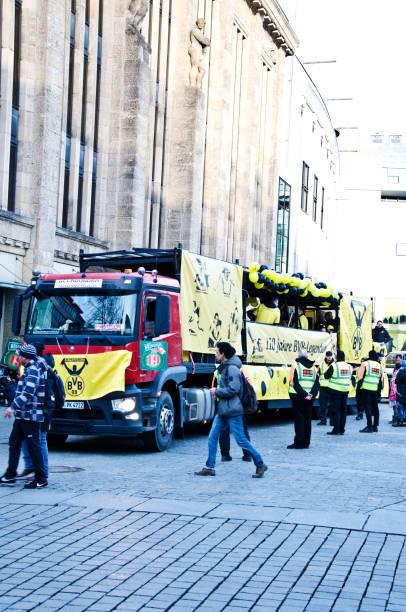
pixel 92 319
pixel 134 332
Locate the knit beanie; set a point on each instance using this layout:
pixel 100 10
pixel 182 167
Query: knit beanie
pixel 28 351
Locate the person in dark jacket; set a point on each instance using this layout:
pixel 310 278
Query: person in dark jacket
pixel 380 334
pixel 229 411
pixel 27 407
pixel 303 388
pixel 339 376
pixel 46 361
pixel 401 393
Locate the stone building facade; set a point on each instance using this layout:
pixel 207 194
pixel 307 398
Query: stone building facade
pixel 108 142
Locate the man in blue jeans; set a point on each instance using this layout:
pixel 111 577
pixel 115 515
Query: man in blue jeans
pixel 229 411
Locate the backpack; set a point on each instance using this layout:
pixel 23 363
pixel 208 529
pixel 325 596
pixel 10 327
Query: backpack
pixel 54 390
pixel 248 397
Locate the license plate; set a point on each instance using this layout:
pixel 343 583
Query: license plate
pixel 74 405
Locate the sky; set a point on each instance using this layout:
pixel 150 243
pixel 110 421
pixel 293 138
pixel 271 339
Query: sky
pixel 367 40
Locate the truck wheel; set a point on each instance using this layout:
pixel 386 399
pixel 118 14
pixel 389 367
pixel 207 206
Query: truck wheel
pixel 56 440
pixel 161 438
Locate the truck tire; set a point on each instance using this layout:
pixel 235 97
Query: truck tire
pixel 161 438
pixel 56 440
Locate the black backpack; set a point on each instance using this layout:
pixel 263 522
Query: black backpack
pixel 248 396
pixel 54 390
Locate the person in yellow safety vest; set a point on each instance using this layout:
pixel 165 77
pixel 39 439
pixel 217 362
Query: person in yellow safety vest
pixel 339 377
pixel 370 383
pixel 268 311
pixel 224 439
pixel 324 398
pixel 303 388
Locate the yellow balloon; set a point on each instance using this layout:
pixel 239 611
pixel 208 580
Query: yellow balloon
pixel 304 293
pixel 295 281
pixel 267 274
pixel 253 276
pixel 259 285
pixel 254 267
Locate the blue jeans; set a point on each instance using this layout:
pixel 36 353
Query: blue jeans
pixel 237 429
pixel 28 465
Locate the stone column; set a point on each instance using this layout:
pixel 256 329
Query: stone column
pixel 39 136
pixel 181 212
pixel 127 151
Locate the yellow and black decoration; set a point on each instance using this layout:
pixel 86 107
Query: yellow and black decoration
pixel 211 303
pixel 87 377
pixel 293 285
pixel 355 327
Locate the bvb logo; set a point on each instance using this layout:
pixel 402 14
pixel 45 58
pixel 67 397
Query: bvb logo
pixel 75 386
pixel 357 342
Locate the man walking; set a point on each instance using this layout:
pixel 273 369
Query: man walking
pixel 27 409
pixel 370 383
pixel 229 411
pixel 339 377
pixel 324 397
pixel 303 388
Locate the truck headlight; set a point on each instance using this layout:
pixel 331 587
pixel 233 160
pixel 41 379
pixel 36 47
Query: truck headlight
pixel 124 405
pixel 134 416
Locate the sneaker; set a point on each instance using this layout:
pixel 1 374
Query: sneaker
pixel 25 473
pixel 366 430
pixel 206 472
pixel 6 480
pixel 35 485
pixel 246 458
pixel 260 471
pixel 226 458
pixel 322 423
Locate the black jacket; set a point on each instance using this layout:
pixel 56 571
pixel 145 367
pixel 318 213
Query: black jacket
pixel 380 334
pixel 301 392
pixel 401 386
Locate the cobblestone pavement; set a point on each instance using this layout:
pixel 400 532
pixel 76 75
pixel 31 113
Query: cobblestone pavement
pixel 323 530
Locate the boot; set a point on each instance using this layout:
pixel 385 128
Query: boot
pixel 366 430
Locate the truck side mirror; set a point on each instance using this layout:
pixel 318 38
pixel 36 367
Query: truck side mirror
pixel 18 307
pixel 162 315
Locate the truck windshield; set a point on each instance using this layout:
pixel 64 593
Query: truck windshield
pixel 79 313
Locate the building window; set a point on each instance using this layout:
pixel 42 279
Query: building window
pixel 322 208
pixel 65 204
pixel 305 186
pixel 315 190
pixel 395 138
pixel 12 173
pixel 377 138
pixel 159 35
pixel 282 231
pixel 96 121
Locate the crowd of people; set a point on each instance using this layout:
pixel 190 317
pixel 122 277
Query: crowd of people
pixel 33 403
pixel 331 381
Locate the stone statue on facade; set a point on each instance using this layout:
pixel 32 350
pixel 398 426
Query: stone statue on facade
pixel 197 52
pixel 137 9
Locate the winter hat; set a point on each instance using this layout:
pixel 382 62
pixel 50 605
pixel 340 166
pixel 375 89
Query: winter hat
pixel 28 351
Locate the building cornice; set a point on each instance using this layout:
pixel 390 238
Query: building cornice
pixel 276 24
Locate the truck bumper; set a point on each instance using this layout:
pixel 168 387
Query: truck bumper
pixel 98 417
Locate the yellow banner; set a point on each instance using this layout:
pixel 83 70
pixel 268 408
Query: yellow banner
pixel 395 322
pixel 272 344
pixel 272 383
pixel 355 327
pixel 211 303
pixel 87 377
